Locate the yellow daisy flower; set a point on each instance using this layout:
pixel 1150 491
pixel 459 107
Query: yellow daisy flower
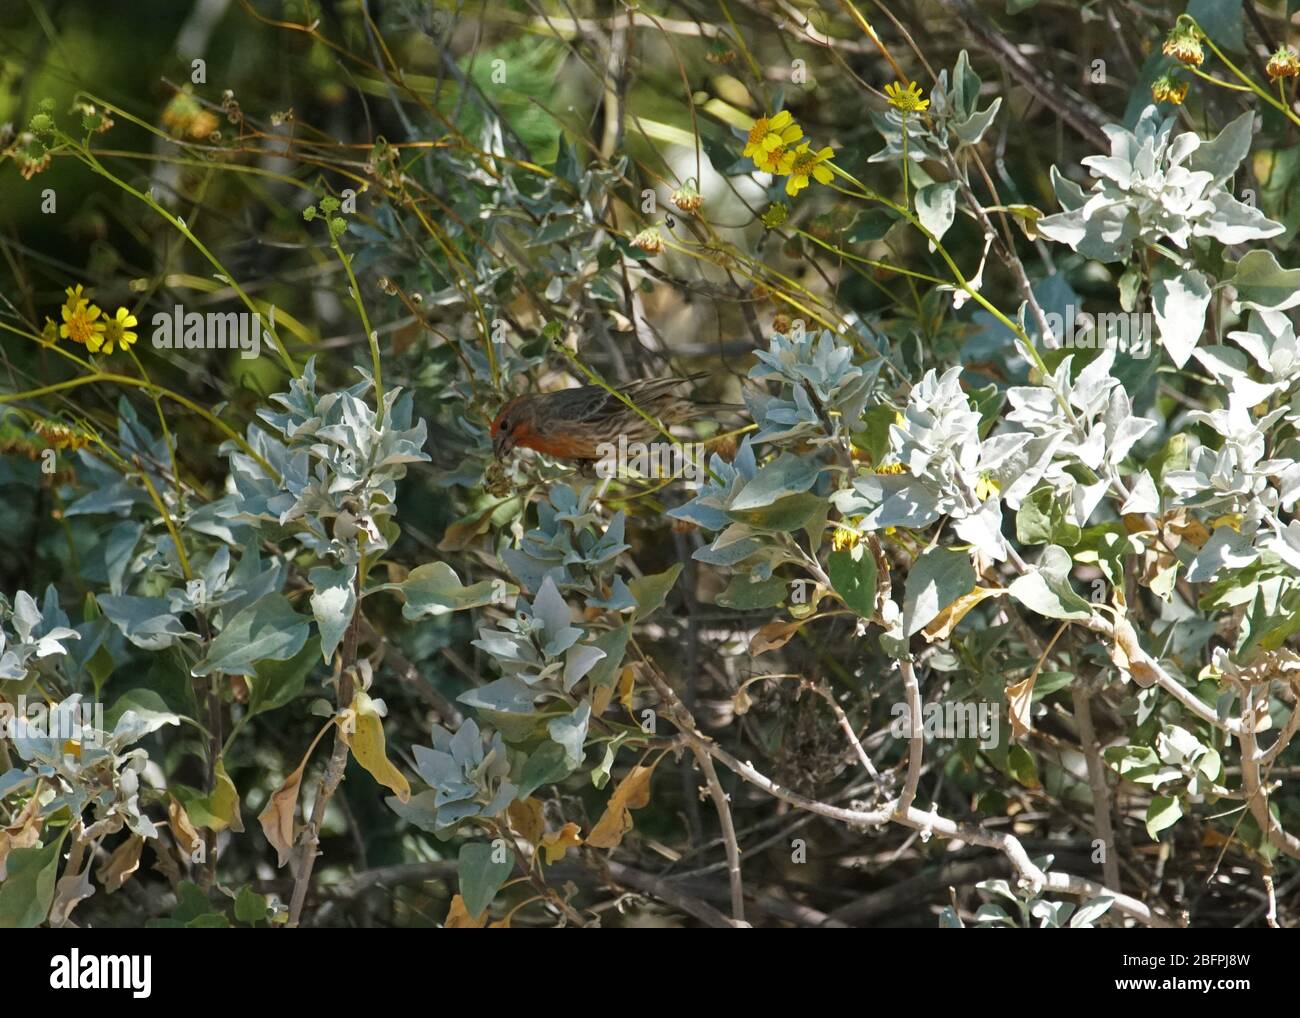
pixel 768 133
pixel 808 163
pixel 117 330
pixel 79 320
pixel 906 100
pixel 774 160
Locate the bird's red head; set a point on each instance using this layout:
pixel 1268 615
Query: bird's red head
pixel 511 428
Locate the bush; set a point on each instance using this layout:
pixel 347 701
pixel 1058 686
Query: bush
pixel 507 470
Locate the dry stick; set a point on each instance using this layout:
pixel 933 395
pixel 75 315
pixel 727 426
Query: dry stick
pixel 721 804
pixel 310 841
pixel 1252 783
pixel 1097 779
pixel 915 739
pixel 685 722
pixel 926 823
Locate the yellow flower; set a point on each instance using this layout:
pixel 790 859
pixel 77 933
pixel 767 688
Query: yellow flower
pixel 116 330
pixel 59 435
pixel 1183 43
pixel 649 240
pixel 1168 89
pixel 1285 63
pixel 808 163
pixel 50 334
pixel 907 100
pixel 79 320
pixel 844 538
pixel 987 486
pixel 687 197
pixel 775 160
pixel 769 132
pixel 891 468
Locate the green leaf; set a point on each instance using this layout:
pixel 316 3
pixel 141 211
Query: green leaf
pixel 545 767
pixel 267 629
pixel 786 475
pixel 1046 588
pixel 873 435
pixel 193 912
pixel 275 683
pixel 251 907
pixel 938 577
pixel 783 515
pixel 1021 766
pixel 1164 811
pixel 1041 519
pixel 570 733
pixel 853 575
pixel 651 591
pixel 480 876
pixel 28 890
pixel 1263 284
pixel 614 643
pixel 872 225
pixel 333 602
pixel 936 206
pixel 144 703
pixel 744 595
pixel 146 621
pixel 435 589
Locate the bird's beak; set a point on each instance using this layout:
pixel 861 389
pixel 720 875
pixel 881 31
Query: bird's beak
pixel 502 444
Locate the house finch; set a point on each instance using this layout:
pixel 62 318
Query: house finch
pixel 573 423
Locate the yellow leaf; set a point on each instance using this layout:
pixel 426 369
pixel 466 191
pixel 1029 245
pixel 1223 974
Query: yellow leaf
pixel 773 636
pixel 366 740
pixel 526 819
pixel 187 837
pixel 458 917
pixel 557 843
pixel 24 832
pixel 1020 698
pixel 116 870
pixel 626 680
pixel 277 817
pixel 223 803
pixel 946 621
pixel 632 792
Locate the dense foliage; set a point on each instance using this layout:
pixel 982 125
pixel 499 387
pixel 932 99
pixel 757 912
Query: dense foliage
pixel 980 608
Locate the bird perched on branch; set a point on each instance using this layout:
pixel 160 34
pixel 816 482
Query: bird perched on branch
pixel 572 424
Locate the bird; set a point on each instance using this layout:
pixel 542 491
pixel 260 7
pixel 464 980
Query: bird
pixel 572 424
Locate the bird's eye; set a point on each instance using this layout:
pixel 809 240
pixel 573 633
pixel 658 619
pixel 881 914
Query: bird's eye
pixel 505 424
